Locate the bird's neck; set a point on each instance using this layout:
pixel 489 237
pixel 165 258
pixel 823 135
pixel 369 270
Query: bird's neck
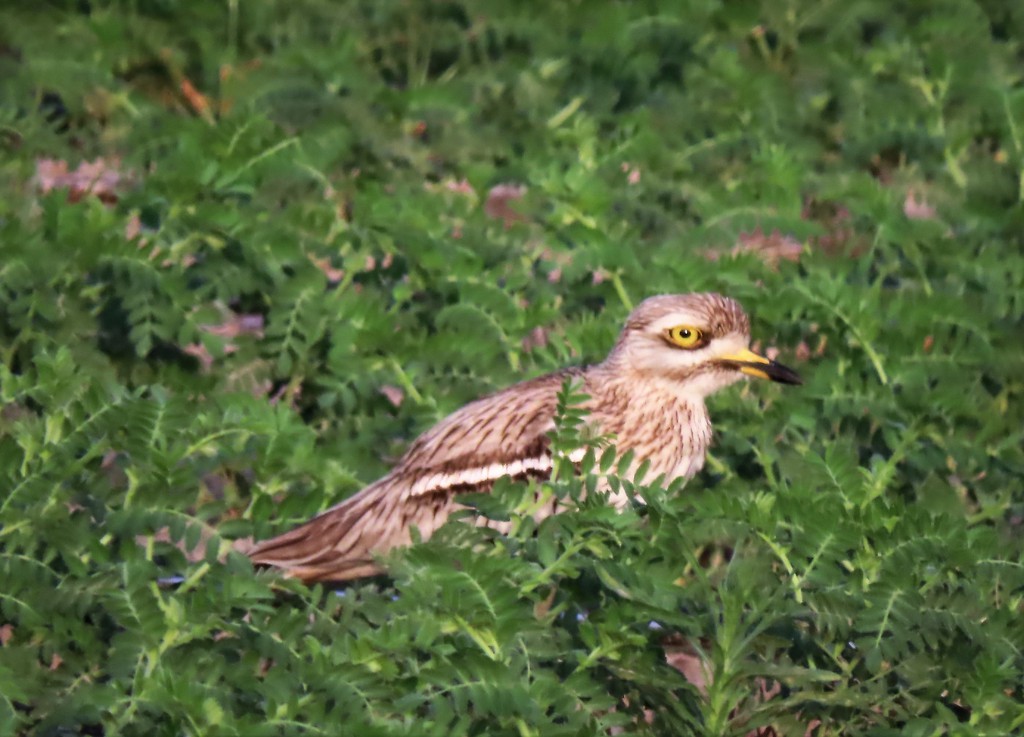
pixel 629 389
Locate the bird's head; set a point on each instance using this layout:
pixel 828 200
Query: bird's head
pixel 699 340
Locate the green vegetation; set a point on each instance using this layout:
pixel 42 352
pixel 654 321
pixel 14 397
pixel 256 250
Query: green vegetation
pixel 287 257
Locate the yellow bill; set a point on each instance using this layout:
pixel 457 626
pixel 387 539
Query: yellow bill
pixel 752 364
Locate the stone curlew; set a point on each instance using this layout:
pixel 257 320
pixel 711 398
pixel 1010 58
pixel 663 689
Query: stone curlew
pixel 648 393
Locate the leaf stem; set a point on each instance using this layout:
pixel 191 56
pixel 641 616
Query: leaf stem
pixel 405 381
pixel 620 289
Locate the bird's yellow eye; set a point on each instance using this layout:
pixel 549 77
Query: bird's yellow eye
pixel 685 336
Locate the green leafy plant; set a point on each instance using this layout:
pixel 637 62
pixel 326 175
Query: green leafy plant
pixel 248 251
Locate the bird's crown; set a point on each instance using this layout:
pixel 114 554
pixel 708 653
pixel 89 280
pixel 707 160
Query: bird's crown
pixel 715 315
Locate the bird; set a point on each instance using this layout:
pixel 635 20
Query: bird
pixel 647 395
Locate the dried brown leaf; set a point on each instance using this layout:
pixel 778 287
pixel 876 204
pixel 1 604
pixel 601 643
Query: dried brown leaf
pixel 498 204
pixel 393 394
pixel 101 178
pixel 917 209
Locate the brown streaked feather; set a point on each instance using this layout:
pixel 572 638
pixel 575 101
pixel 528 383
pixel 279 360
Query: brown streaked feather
pixel 483 440
pixel 334 545
pixel 496 429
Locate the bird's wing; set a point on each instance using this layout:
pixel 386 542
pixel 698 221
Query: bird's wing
pixel 503 434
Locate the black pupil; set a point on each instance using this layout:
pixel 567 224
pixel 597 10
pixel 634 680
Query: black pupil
pixel 685 333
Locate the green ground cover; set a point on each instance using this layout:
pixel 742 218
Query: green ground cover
pixel 248 250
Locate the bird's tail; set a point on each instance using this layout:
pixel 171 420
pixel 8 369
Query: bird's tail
pixel 339 544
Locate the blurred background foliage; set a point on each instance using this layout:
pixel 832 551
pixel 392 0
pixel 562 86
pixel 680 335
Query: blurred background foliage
pixel 250 250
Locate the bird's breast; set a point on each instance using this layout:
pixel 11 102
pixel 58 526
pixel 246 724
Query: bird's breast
pixel 671 434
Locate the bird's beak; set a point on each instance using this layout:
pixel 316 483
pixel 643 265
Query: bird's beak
pixel 750 363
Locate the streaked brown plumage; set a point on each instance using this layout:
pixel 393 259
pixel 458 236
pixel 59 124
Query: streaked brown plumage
pixel 648 393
